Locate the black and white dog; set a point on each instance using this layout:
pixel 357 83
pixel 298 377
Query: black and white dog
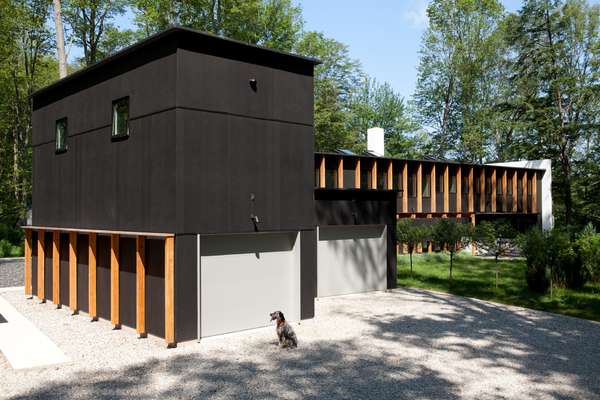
pixel 285 333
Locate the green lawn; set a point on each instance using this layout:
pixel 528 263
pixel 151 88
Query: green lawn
pixel 475 277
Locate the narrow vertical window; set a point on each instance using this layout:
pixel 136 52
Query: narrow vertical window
pixel 61 135
pixel 120 118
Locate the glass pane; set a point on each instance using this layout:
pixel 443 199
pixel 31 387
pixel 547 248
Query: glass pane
pixel 426 185
pixel 452 183
pixel 120 118
pixel 61 134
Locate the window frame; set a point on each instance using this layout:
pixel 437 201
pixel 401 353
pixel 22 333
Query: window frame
pixel 65 146
pixel 119 136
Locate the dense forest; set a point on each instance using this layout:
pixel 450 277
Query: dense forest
pixel 491 85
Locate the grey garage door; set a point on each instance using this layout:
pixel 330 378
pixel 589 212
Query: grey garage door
pixel 351 259
pixel 245 277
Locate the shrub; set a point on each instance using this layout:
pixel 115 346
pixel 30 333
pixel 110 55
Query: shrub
pixel 533 247
pixel 588 244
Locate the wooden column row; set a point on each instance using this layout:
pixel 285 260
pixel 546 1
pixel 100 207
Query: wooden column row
pixel 169 265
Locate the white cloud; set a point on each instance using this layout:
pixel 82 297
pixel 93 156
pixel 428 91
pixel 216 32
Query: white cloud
pixel 416 14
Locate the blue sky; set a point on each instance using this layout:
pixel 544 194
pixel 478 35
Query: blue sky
pixel 384 35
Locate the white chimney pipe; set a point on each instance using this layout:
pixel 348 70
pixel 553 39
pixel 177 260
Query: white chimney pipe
pixel 375 141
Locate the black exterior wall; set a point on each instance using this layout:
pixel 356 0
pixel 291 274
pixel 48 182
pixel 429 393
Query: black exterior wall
pixel 361 207
pixel 308 273
pixel 186 292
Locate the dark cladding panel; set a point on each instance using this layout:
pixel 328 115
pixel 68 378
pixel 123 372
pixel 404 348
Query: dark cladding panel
pixel 155 287
pixel 127 293
pixel 186 289
pixel 82 273
pixel 213 83
pixel 308 273
pixel 48 272
pixel 150 87
pixel 34 247
pixel 103 276
pixel 228 159
pixel 64 269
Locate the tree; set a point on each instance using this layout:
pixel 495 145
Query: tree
pixel 495 239
pixel 60 39
pixel 411 234
pixel 556 76
pixel 377 105
pixel 457 75
pixel 335 81
pixel 447 233
pixel 89 20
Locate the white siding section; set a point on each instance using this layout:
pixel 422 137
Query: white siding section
pixel 246 277
pixel 351 259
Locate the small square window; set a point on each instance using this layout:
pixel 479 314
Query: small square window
pixel 120 118
pixel 61 135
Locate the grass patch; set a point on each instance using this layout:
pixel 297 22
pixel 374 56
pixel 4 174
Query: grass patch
pixel 475 277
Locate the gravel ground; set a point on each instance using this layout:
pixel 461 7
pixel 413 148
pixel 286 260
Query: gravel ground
pixel 11 272
pixel 402 344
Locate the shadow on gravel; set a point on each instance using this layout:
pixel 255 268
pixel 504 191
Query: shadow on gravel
pixel 315 372
pixel 535 344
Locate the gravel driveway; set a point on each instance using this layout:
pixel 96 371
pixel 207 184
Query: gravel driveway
pixel 403 344
pixel 11 272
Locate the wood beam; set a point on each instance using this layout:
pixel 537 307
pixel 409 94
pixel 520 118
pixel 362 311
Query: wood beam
pixel 534 206
pixel 473 245
pixel 390 175
pixel 524 187
pixel 405 187
pixel 140 286
pixel 420 188
pixel 28 287
pixel 446 189
pixel 459 189
pixel 471 197
pixel 41 258
pixel 374 174
pixel 92 276
pixel 504 192
pixel 56 268
pixel 340 173
pixel 115 317
pixel 482 189
pixel 515 203
pixel 493 190
pixel 73 271
pixel 322 172
pixel 357 174
pixel 433 188
pixel 170 291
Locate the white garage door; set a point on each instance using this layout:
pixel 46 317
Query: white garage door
pixel 246 277
pixel 351 259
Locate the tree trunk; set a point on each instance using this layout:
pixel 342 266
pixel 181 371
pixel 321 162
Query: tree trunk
pixel 60 40
pixel 411 270
pixel 451 254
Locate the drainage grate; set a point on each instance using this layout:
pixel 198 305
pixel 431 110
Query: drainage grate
pixel 2 319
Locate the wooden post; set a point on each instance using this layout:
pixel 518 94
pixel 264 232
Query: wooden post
pixel 140 286
pixel 504 192
pixel 405 187
pixel 459 189
pixel 534 207
pixel 473 246
pixel 390 175
pixel 322 172
pixel 92 277
pixel 357 174
pixel 471 198
pixel 73 271
pixel 433 189
pixel 493 190
pixel 340 173
pixel 524 186
pixel 170 291
pixel 482 189
pixel 446 189
pixel 430 243
pixel 115 318
pixel 420 188
pixel 374 174
pixel 515 194
pixel 41 258
pixel 28 289
pixel 56 268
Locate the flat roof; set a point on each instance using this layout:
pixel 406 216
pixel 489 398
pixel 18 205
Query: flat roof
pixel 163 44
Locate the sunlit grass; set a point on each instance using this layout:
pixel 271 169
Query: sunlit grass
pixel 476 276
